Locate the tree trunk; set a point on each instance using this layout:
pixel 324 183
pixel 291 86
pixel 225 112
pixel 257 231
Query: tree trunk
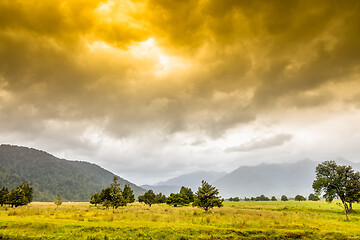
pixel 350 207
pixel 346 209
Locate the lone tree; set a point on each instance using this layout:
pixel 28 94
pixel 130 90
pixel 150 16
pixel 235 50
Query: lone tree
pixel 207 197
pixel 337 182
pixel 58 201
pixel 284 198
pixel 273 198
pixel 300 198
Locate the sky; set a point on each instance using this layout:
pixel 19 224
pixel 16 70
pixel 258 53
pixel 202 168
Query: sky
pixel 156 88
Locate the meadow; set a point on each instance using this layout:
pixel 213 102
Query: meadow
pixel 236 220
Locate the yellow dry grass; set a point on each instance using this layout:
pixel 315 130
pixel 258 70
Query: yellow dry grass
pixel 241 220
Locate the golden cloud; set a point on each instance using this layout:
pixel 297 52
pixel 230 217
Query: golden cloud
pixel 135 65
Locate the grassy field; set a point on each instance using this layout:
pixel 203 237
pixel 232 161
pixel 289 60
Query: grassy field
pixel 241 220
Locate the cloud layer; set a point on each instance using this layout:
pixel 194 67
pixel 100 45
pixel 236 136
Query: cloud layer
pixel 80 75
pixel 273 141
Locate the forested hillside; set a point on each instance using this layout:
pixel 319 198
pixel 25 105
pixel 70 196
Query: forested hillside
pixel 48 175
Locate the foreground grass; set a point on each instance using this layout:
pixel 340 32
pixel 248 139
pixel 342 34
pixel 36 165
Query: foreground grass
pixel 241 220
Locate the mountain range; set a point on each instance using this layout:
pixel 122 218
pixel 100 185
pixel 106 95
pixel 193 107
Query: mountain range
pixel 288 179
pixel 190 180
pixel 78 180
pixel 49 175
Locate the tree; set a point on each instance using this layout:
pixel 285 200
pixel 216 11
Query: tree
pixel 105 196
pixel 118 200
pixel 4 195
pixel 116 196
pixel 58 201
pixel 148 198
pixel 284 198
pixel 187 192
pixel 300 198
pixel 235 199
pixel 185 196
pixel 159 198
pixel 106 203
pixel 262 198
pixel 128 194
pixel 273 198
pixel 112 196
pixel 352 188
pixel 20 196
pixel 177 199
pixel 28 191
pixel 207 197
pixel 17 198
pixel 337 182
pixel 313 197
pixel 141 198
pixel 95 199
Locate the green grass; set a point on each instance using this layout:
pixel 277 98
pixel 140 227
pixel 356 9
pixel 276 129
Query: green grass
pixel 240 220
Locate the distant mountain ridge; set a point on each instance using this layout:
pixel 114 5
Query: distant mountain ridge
pixel 49 175
pixel 193 179
pixel 190 180
pixel 290 179
pixel 269 179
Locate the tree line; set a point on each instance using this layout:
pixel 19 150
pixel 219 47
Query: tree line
pixel 206 197
pixel 184 197
pixel 311 197
pixel 19 196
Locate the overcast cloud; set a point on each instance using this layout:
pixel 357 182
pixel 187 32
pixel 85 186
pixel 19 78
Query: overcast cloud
pixel 273 141
pixel 152 89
